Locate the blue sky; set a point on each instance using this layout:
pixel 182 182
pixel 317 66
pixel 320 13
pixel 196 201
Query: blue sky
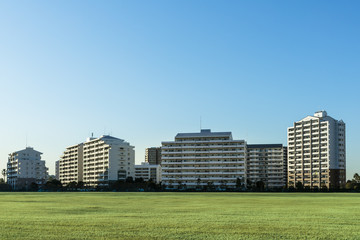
pixel 146 70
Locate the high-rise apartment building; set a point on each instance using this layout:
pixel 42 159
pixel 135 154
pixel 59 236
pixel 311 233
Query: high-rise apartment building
pixel 98 161
pixel 25 167
pixel 316 152
pixel 107 159
pixel 266 163
pixel 71 165
pixel 57 170
pixel 153 155
pixel 148 172
pixel 205 158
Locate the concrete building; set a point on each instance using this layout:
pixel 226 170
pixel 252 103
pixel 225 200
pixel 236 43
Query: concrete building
pixel 153 155
pixel 57 170
pixel 25 167
pixel 316 152
pixel 205 158
pixel 107 159
pixel 71 165
pixel 148 171
pixel 98 161
pixel 266 163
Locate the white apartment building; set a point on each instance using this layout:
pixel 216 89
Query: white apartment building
pixel 205 158
pixel 148 171
pixel 71 164
pixel 266 163
pixel 25 167
pixel 107 159
pixel 316 152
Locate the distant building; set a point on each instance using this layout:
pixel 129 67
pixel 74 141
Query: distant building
pixel 24 168
pixel 148 172
pixel 316 152
pixel 266 163
pixel 153 155
pixel 57 170
pixel 207 158
pixel 98 161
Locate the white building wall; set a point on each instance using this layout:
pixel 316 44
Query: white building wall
pixel 25 167
pixel 203 158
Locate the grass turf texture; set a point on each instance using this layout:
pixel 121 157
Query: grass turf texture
pixel 179 216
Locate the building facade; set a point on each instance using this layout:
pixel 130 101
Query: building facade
pixel 24 168
pixel 107 159
pixel 71 165
pixel 57 170
pixel 316 152
pixel 153 155
pixel 203 159
pixel 266 163
pixel 148 172
pixel 98 161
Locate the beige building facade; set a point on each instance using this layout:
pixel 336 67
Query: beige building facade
pixel 317 152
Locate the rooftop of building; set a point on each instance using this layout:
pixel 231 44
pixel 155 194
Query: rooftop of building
pixel 26 150
pixel 264 145
pixel 204 133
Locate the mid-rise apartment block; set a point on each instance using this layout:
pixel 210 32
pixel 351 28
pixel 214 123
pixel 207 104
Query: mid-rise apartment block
pixel 316 152
pixel 153 155
pixel 148 172
pixel 107 159
pixel 204 158
pixel 25 167
pixel 266 163
pixel 98 161
pixel 71 165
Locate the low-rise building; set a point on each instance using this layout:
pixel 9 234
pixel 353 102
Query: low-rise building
pixel 148 172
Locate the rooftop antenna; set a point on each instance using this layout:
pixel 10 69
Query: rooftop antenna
pixel 92 135
pixel 26 140
pixel 200 123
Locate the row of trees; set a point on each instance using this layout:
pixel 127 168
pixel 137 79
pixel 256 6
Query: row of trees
pixel 353 184
pixel 140 185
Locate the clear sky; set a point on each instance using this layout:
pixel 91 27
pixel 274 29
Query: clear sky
pixel 145 70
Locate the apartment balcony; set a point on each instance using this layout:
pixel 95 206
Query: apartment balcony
pixel 202 173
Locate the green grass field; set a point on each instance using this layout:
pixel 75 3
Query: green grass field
pixel 179 216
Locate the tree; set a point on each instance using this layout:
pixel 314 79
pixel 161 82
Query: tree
pixel 34 187
pixel 299 186
pixel 210 186
pixel 198 184
pixel 129 180
pixel 3 172
pixel 356 178
pixel 53 185
pixel 238 183
pixel 260 185
pixel 80 184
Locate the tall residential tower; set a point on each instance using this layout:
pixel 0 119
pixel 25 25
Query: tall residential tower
pixel 316 152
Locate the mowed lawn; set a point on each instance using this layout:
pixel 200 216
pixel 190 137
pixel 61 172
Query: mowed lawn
pixel 179 215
